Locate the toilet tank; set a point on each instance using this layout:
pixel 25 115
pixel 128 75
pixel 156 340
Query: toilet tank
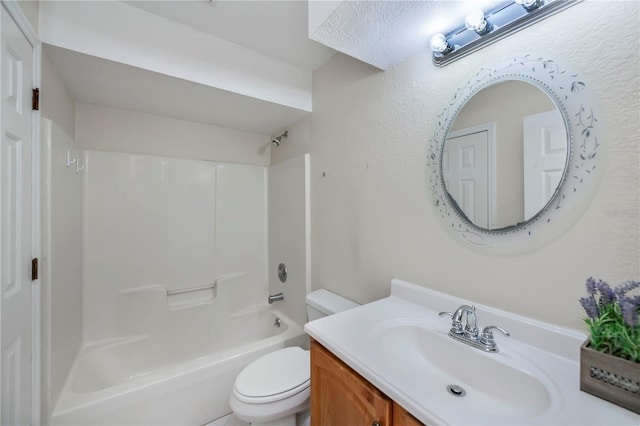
pixel 321 303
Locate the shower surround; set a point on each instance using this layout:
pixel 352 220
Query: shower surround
pixel 172 223
pixel 173 292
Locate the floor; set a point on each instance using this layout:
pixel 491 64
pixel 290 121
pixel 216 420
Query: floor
pixel 229 420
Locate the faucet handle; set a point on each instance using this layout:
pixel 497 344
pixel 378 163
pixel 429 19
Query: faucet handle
pixel 487 335
pixel 443 314
pixel 487 330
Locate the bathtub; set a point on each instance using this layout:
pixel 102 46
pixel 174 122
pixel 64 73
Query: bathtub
pixel 181 374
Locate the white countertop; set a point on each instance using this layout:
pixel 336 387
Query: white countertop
pixel 552 355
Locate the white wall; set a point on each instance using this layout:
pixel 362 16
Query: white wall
pixel 62 254
pixel 289 234
pixel 170 223
pixel 31 9
pixel 110 129
pixel 56 102
pixel 372 213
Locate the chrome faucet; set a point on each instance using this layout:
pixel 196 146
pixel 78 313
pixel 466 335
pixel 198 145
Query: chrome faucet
pixel 275 297
pixel 469 333
pixel 471 327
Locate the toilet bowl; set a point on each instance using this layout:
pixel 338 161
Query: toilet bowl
pixel 275 388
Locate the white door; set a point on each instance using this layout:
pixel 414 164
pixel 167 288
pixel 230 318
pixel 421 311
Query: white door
pixel 545 154
pixel 15 224
pixel 465 172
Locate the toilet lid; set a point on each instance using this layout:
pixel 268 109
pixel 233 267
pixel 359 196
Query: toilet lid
pixel 274 376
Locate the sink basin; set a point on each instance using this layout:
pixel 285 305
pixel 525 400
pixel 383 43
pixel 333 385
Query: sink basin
pixel 501 384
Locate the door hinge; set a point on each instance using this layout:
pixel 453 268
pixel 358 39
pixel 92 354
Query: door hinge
pixel 34 269
pixel 35 100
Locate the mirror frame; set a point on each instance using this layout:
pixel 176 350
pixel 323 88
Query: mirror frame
pixel 585 162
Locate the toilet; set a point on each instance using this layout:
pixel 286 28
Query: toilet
pixel 275 387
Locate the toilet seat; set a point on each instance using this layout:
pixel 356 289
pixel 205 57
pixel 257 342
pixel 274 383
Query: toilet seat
pixel 274 377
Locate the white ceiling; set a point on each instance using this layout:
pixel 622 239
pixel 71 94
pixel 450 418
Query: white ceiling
pixel 233 63
pixel 99 81
pixel 274 28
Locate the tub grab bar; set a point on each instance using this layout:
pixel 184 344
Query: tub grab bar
pixel 190 289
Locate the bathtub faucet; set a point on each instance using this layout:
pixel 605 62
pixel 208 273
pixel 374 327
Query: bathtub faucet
pixel 275 297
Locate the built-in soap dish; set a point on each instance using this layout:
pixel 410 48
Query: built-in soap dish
pixel 191 296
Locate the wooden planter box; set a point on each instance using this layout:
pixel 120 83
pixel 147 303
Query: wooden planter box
pixel 615 379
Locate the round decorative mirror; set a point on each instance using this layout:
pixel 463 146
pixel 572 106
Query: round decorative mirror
pixel 517 154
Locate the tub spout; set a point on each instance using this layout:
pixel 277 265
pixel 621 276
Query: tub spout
pixel 275 297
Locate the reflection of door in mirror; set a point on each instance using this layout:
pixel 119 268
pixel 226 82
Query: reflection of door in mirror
pixel 505 105
pixel 545 154
pixel 468 171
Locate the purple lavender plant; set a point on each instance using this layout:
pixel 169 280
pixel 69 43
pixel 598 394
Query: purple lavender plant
pixel 626 287
pixel 612 318
pixel 629 309
pixel 590 306
pixel 607 295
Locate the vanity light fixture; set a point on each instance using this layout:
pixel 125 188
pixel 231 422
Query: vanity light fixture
pixel 475 22
pixel 530 5
pixel 439 44
pixel 482 28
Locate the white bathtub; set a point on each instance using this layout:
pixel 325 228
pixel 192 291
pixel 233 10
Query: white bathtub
pixel 180 374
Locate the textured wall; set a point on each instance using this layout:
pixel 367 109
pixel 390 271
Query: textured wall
pixel 371 209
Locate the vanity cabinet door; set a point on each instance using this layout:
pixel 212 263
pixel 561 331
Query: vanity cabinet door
pixel 401 417
pixel 341 397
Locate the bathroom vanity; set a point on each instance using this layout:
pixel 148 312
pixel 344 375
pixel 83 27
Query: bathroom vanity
pixel 393 362
pixel 339 395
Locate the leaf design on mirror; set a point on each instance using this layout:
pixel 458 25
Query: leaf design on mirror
pixel 577 86
pixel 586 122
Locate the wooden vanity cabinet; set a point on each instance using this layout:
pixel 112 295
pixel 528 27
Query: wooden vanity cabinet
pixel 402 417
pixel 341 397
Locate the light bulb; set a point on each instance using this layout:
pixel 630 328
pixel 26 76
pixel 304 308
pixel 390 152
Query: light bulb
pixel 475 22
pixel 530 5
pixel 439 43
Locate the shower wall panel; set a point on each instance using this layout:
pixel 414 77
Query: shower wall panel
pixel 168 224
pixel 241 233
pixel 191 222
pixel 289 233
pixel 61 259
pixel 125 234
